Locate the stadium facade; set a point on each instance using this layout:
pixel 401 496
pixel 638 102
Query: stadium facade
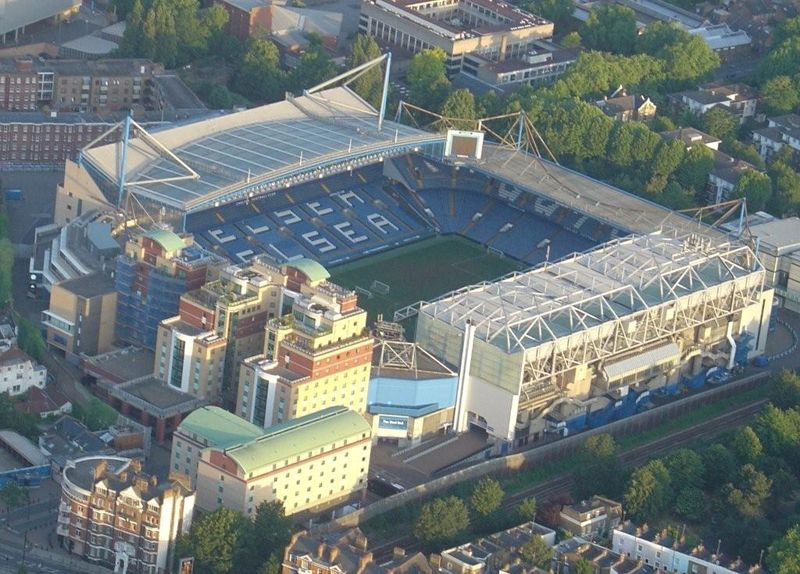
pixel 626 297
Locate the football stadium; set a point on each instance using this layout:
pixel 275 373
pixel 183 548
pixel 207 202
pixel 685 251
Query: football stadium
pixel 561 301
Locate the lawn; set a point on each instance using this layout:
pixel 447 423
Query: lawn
pixel 421 271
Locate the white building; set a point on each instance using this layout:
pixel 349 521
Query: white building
pixel 781 131
pixel 18 373
pixel 659 549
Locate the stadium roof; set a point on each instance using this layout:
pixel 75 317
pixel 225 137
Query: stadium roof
pixel 298 437
pixel 219 427
pixel 256 150
pixel 594 198
pixel 622 277
pixel 14 15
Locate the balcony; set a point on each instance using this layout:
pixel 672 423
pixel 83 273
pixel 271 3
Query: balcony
pixel 50 319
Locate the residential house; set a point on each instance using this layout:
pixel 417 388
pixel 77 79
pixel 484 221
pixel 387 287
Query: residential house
pixel 625 107
pixel 780 131
pixel 739 99
pixel 19 372
pixel 593 518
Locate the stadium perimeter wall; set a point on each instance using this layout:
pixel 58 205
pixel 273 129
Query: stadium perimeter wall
pixel 569 445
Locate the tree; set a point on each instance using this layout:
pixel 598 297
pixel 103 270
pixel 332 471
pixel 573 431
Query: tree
pixel 756 187
pixel 536 552
pixel 610 28
pixel 779 431
pixel 657 36
pixel 14 496
pixel 96 415
pixel 559 11
pixel 697 164
pixel 582 566
pixel 719 465
pixel 571 40
pixel 751 491
pixel 745 152
pixel 370 84
pixel 667 157
pixel 486 497
pixel 685 468
pixel 782 60
pixel 527 509
pixel 785 188
pixel 440 521
pixel 133 37
pixel 213 23
pixel 783 557
pixel 690 503
pixel 649 491
pixel 785 392
pixel 746 445
pixel 314 68
pixel 213 540
pixel 688 60
pixel 25 424
pixel 427 78
pixel 29 339
pixel 780 94
pixel 460 104
pixel 265 538
pixel 601 445
pixel 260 76
pixel 720 123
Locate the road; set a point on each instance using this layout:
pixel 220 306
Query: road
pixel 562 484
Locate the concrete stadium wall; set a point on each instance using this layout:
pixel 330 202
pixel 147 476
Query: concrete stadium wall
pixel 551 451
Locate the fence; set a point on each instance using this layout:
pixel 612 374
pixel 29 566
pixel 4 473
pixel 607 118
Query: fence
pixel 551 451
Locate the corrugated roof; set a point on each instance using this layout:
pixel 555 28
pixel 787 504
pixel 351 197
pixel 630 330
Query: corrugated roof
pixel 312 269
pixel 641 361
pixel 23 447
pixel 299 437
pixel 219 427
pixel 167 239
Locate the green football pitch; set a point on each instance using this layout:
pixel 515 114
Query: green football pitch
pixel 420 271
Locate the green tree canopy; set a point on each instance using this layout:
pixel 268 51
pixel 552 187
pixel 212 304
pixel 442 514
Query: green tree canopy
pixel 536 552
pixel 685 468
pixel 314 68
pixel 610 28
pixel 746 445
pixel 265 538
pixel 780 95
pixel 571 40
pixel 441 521
pixel 96 414
pixel 782 60
pixel 213 540
pixel 720 123
pixel 559 11
pixel 460 104
pixel 697 164
pixel 756 187
pixel 486 497
pixel 649 491
pixel 719 464
pixel 582 566
pixel 29 337
pixel 260 76
pixel 783 556
pixel 785 198
pixel 14 495
pixel 527 509
pixel 370 84
pixel 785 392
pixel 779 431
pixel 427 78
pixel 600 445
pixel 750 492
pixel 690 503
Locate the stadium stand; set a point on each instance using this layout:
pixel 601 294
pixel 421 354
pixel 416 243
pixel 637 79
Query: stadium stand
pixel 349 215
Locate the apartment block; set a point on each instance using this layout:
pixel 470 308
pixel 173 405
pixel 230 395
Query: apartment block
pixel 81 316
pixel 19 373
pixel 492 29
pixel 97 86
pixel 113 514
pixel 305 463
pixel 216 327
pixel 246 17
pixel 780 131
pixel 317 356
pixel 157 268
pixel 738 99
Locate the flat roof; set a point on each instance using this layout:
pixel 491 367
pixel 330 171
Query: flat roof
pixel 14 15
pixel 89 286
pixel 622 277
pixel 244 152
pixel 158 393
pixel 219 427
pixel 124 364
pixel 298 437
pixel 783 235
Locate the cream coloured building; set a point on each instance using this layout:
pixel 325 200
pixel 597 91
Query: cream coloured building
pixel 305 463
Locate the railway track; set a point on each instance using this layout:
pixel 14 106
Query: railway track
pixel 638 455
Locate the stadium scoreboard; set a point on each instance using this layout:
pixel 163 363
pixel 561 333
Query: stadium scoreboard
pixel 465 144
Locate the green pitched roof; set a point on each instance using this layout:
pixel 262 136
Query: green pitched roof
pixel 167 239
pixel 298 437
pixel 312 269
pixel 219 427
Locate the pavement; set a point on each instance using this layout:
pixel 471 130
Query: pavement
pixel 37 204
